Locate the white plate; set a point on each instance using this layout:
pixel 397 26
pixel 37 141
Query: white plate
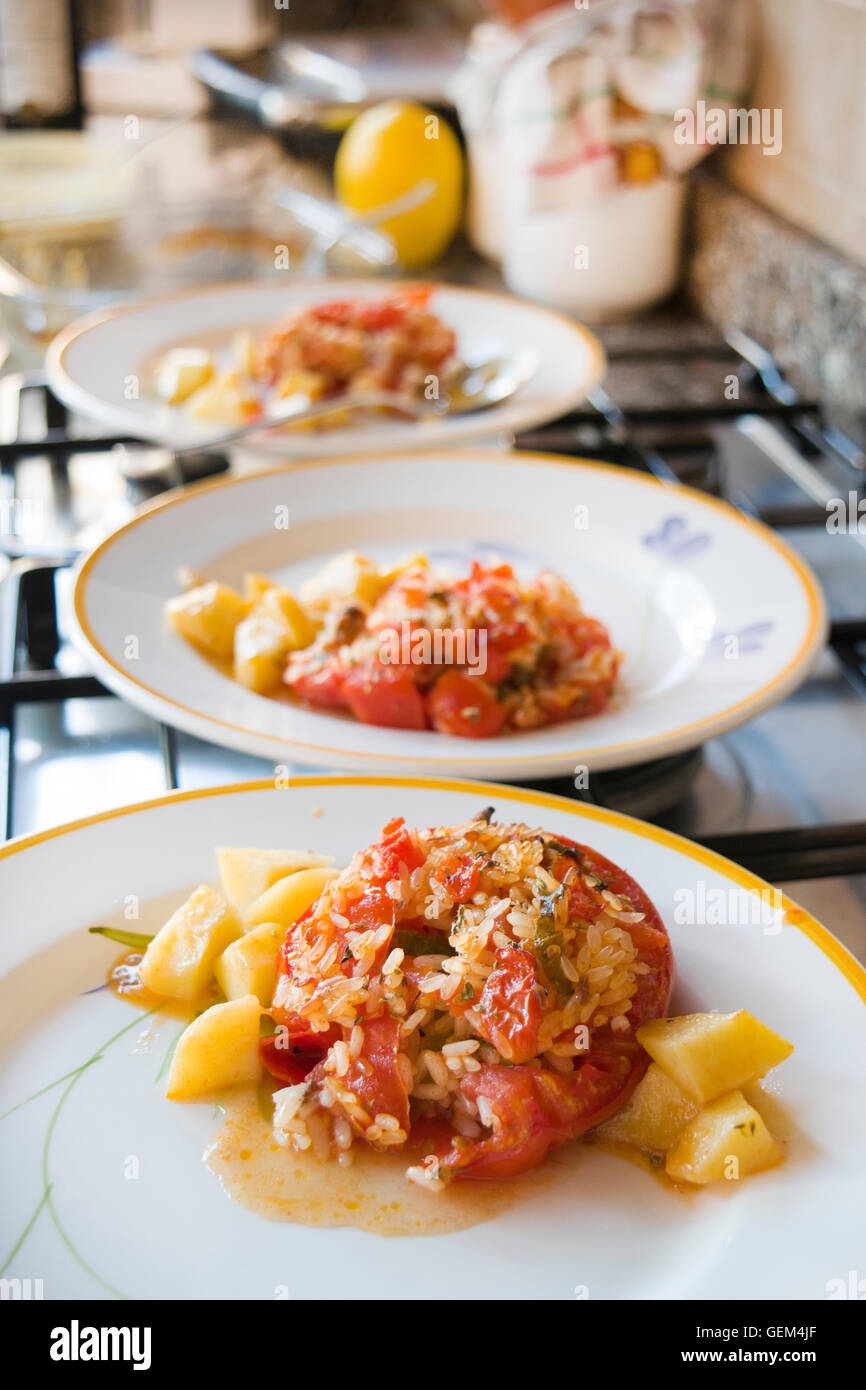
pixel 99 364
pixel 131 1208
pixel 717 618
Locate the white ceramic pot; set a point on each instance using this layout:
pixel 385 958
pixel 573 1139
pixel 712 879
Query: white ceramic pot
pixel 602 258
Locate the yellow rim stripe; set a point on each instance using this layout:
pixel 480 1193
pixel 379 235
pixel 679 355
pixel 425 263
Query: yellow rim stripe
pixel 814 600
pixel 797 916
pixel 555 404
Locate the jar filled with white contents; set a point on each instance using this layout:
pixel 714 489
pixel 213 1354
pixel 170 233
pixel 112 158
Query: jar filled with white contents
pixel 577 165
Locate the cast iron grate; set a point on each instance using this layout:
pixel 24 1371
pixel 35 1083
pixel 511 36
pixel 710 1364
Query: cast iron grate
pixel 673 443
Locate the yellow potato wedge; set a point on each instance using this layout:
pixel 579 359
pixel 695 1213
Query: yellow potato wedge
pixel 179 961
pixel 219 1049
pixel 249 965
pixel 243 351
pixel 223 400
pixel 654 1116
pixel 727 1139
pixel 181 372
pixel 388 576
pixel 710 1054
pixel 347 576
pixel 288 898
pixel 255 585
pixel 280 607
pixel 299 382
pixel 260 651
pixel 208 616
pixel 247 873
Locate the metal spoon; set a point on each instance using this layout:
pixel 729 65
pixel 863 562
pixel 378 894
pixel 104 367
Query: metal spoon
pixel 478 386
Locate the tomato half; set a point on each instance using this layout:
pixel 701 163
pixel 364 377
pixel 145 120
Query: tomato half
pixel 458 875
pixel 509 1003
pixel 377 693
pixel 465 706
pixel 292 1054
pixel 319 685
pixel 336 311
pixel 539 1109
pixel 396 849
pixel 374 1077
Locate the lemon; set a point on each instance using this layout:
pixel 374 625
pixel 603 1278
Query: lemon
pixel 386 151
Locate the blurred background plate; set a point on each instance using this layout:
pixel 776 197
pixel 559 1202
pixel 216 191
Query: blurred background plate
pixel 90 364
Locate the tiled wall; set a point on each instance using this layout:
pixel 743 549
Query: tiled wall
pixel 813 66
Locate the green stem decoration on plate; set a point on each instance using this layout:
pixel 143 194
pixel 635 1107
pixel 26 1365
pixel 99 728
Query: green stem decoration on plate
pixel 46 1200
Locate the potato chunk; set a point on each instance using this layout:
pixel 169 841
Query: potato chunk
pixel 219 1049
pixel 709 1054
pixel 288 898
pixel 249 965
pixel 727 1139
pixel 260 652
pixel 246 873
pixel 207 616
pixel 255 585
pixel 223 400
pixel 390 575
pixel 655 1115
pixel 243 351
pixel 299 382
pixel 346 576
pixel 179 960
pixel 281 608
pixel 182 371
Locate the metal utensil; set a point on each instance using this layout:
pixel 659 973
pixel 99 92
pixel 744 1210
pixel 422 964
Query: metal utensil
pixel 333 225
pixel 477 386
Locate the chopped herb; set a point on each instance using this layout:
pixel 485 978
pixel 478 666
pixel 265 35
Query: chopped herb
pixel 468 991
pixel 135 940
pixel 548 943
pixel 416 943
pixel 517 678
pixel 559 848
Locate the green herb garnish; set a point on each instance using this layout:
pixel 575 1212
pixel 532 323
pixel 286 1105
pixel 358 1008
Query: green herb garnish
pixel 548 943
pixel 135 940
pixel 559 848
pixel 416 943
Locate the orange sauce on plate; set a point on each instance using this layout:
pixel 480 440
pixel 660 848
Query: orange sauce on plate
pixel 124 981
pixel 371 1194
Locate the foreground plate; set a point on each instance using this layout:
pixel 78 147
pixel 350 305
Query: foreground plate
pixel 102 360
pixel 717 618
pixel 110 1196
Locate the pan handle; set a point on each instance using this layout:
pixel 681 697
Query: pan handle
pixel 239 90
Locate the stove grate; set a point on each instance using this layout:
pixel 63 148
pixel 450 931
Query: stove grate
pixel 673 443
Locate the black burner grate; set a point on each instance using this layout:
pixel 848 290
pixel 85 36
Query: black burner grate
pixel 673 443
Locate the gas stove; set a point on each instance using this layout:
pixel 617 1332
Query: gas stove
pixel 785 795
